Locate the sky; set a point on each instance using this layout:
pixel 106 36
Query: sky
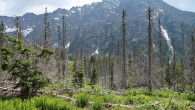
pixel 20 7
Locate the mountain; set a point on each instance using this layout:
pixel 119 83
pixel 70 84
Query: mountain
pixel 97 26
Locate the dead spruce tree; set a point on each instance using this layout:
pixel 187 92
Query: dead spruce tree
pixel 2 43
pixel 46 40
pixel 150 48
pixel 173 75
pixel 183 46
pixel 59 52
pixel 192 65
pixel 161 52
pixel 64 47
pixel 18 31
pixel 124 34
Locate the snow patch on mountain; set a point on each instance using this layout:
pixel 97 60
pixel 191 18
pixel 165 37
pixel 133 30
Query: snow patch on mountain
pixel 27 31
pixel 7 30
pixel 56 19
pixel 96 52
pixel 24 32
pixel 165 34
pixel 68 45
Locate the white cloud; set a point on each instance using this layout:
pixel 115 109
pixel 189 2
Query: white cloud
pixel 20 7
pixel 186 5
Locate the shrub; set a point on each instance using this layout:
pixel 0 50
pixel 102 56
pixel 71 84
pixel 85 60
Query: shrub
pixel 129 100
pixel 98 104
pixel 49 103
pixel 137 99
pixel 191 97
pixel 148 93
pixel 36 103
pixel 164 94
pixel 82 99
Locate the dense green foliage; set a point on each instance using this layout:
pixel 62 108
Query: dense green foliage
pixel 95 98
pixel 78 77
pixel 36 103
pixel 18 62
pixel 82 99
pixel 94 76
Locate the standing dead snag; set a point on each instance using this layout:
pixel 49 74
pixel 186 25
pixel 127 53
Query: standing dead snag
pixel 192 75
pixel 64 47
pixel 161 53
pixel 183 45
pixel 124 33
pixel 46 29
pixel 173 76
pixel 59 51
pixel 149 28
pixel 2 42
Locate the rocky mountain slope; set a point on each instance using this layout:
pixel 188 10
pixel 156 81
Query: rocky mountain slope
pixel 97 26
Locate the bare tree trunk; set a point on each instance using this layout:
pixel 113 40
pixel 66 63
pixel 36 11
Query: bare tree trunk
pixel 161 53
pixel 45 29
pixel 183 44
pixel 140 63
pixel 59 51
pixel 63 48
pixel 123 26
pixel 174 76
pixel 149 18
pixel 81 55
pixel 2 31
pixel 192 81
pixel 111 76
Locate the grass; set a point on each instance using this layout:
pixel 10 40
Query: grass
pixel 36 103
pixel 141 98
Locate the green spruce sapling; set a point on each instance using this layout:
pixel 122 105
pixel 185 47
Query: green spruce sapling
pixel 18 62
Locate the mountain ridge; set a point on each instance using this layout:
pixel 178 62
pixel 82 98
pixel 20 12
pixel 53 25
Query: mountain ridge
pixel 98 25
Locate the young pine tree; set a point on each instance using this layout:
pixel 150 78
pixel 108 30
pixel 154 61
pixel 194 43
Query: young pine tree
pixel 18 62
pixel 167 73
pixel 78 77
pixel 94 74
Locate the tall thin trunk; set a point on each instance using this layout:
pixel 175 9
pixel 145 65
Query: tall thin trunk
pixel 192 63
pixel 174 76
pixel 118 48
pixel 123 26
pixel 183 45
pixel 149 18
pixel 59 51
pixel 81 55
pixel 140 62
pixel 64 49
pixel 45 28
pixel 161 53
pixel 112 76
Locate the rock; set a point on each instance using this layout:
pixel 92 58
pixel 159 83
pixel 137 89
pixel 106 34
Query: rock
pixel 156 103
pixel 68 91
pixel 53 88
pixel 108 105
pixel 192 107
